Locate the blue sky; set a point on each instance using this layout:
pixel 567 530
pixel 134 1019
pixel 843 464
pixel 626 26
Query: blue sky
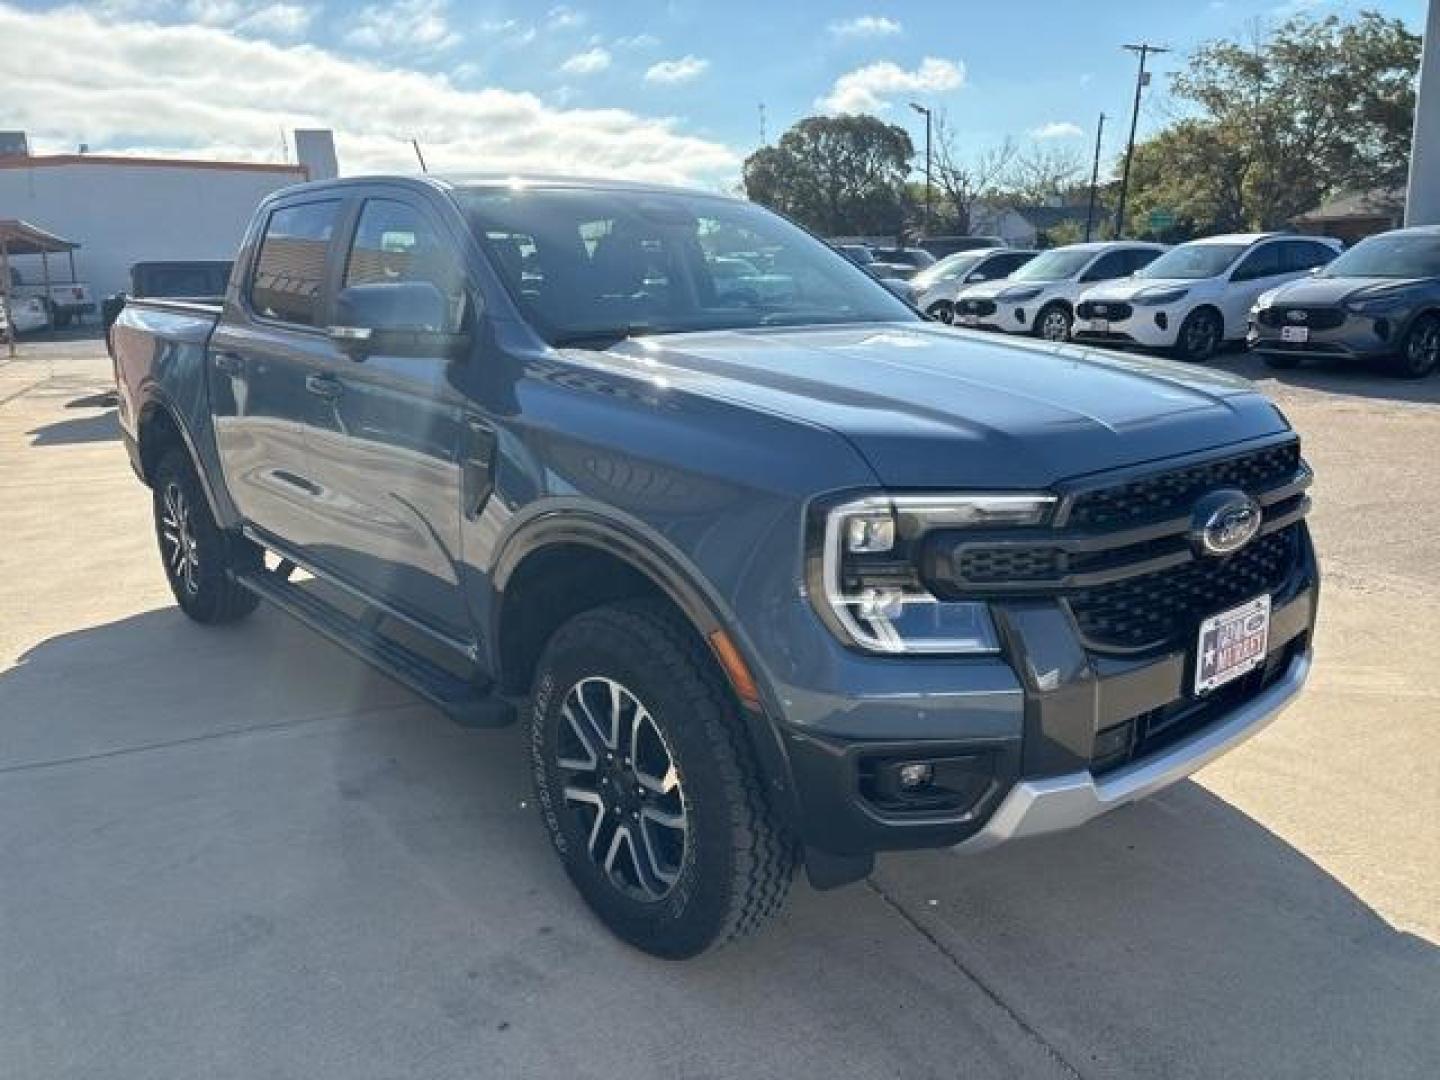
pixel 668 89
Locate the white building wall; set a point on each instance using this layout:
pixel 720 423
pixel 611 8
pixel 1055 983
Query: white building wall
pixel 124 214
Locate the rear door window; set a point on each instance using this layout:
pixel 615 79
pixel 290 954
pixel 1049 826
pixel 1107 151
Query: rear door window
pixel 289 278
pixel 1141 258
pixel 1262 262
pixel 1112 264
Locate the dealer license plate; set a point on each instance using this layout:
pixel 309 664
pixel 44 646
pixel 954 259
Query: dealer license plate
pixel 1298 334
pixel 969 320
pixel 1231 644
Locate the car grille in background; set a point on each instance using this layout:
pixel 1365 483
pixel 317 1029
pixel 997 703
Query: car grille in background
pixel 1164 607
pixel 1104 309
pixel 1169 494
pixel 1316 318
pixel 1120 557
pixel 976 307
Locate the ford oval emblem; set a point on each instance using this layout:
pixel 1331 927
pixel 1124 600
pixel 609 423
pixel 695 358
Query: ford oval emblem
pixel 1296 315
pixel 1223 522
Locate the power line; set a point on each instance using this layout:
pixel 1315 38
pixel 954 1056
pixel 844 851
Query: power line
pixel 1142 79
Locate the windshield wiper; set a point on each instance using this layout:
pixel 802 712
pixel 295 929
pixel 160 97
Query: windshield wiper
pixel 601 337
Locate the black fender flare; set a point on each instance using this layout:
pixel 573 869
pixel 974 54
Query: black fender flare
pixel 558 521
pixel 158 401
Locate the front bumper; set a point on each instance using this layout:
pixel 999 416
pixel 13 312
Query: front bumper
pixel 1148 327
pixel 1057 803
pixel 1359 337
pixel 1010 318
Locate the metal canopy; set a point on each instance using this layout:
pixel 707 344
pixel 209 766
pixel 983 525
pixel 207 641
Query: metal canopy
pixel 22 238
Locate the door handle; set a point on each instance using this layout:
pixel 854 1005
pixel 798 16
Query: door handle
pixel 325 386
pixel 228 363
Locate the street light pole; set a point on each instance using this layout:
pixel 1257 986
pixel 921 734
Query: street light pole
pixel 1141 78
pixel 926 112
pixel 1094 179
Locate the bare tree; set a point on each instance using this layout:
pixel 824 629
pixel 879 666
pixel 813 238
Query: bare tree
pixel 966 180
pixel 1043 174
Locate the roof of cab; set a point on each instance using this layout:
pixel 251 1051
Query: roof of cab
pixel 462 181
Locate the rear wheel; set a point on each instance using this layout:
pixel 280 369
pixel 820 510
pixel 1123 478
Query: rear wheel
pixel 197 554
pixel 648 787
pixel 1420 351
pixel 1053 323
pixel 1200 337
pixel 942 311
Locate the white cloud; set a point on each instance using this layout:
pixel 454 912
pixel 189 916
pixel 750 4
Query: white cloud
pixel 866 89
pixel 865 26
pixel 405 26
pixel 172 90
pixel 587 63
pixel 563 16
pixel 1057 129
pixel 637 41
pixel 677 71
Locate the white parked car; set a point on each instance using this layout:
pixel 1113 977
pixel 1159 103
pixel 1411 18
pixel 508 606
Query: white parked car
pixel 1197 296
pixel 25 313
pixel 938 285
pixel 1039 298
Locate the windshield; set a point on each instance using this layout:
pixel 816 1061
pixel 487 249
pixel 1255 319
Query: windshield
pixel 1389 257
pixel 950 268
pixel 1193 261
pixel 587 264
pixel 1054 265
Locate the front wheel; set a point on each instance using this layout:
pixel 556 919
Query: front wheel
pixel 1420 351
pixel 942 311
pixel 1200 337
pixel 1053 323
pixel 647 786
pixel 198 555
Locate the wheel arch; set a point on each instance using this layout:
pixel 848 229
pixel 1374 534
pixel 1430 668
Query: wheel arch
pixel 158 428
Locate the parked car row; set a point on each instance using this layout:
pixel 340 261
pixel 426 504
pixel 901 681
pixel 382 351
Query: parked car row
pixel 22 315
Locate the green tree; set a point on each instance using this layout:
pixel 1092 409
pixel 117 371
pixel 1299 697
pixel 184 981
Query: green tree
pixel 837 175
pixel 1282 121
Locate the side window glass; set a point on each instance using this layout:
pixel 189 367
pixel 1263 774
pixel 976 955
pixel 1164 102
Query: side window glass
pixel 1141 258
pixel 395 243
pixel 290 268
pixel 1112 264
pixel 1262 262
pixel 1320 254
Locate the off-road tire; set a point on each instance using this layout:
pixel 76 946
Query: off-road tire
pixel 206 592
pixel 738 860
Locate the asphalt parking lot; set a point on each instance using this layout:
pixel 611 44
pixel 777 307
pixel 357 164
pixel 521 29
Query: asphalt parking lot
pixel 239 852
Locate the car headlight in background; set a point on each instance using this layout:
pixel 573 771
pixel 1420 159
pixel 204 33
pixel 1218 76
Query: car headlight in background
pixel 1367 305
pixel 1020 293
pixel 1159 296
pixel 870 582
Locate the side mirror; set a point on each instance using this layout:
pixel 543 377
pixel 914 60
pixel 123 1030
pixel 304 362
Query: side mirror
pixel 403 318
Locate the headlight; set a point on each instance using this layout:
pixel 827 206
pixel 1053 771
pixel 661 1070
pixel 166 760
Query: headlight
pixel 870 586
pixel 1369 304
pixel 1161 296
pixel 1020 293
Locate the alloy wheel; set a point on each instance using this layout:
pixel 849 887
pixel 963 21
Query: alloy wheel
pixel 621 780
pixel 942 311
pixel 182 551
pixel 1422 351
pixel 1200 338
pixel 1055 326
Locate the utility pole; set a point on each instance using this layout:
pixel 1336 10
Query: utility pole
pixel 1094 179
pixel 1142 79
pixel 926 113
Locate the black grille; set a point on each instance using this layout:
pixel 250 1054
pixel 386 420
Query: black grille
pixel 976 307
pixel 1105 309
pixel 1172 494
pixel 1166 607
pixel 1316 318
pixel 981 565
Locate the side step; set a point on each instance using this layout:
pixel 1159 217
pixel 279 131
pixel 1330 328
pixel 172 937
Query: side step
pixel 466 703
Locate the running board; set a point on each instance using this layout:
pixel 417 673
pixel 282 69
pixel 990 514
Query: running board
pixel 464 702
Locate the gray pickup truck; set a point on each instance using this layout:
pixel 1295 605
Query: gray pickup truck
pixel 776 578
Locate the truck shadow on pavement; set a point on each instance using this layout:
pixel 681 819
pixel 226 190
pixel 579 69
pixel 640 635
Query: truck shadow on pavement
pixel 99 427
pixel 264 810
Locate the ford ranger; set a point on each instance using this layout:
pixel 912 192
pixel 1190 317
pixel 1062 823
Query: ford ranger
pixel 776 578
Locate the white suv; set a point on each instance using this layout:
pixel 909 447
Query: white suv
pixel 1197 296
pixel 1039 297
pixel 938 285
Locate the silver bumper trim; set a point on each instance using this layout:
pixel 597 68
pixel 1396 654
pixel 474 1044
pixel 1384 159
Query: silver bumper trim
pixel 1056 803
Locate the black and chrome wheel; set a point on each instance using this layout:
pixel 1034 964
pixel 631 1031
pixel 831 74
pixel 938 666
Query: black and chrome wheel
pixel 1201 335
pixel 1053 323
pixel 647 785
pixel 942 311
pixel 1420 351
pixel 198 556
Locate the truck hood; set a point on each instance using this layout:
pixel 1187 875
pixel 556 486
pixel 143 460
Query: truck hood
pixel 934 407
pixel 1319 291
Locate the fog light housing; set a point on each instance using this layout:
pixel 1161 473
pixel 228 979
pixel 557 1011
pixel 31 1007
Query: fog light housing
pixel 1020 314
pixel 950 785
pixel 914 775
pixel 1162 320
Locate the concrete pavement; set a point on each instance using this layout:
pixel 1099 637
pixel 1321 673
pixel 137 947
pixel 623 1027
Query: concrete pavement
pixel 239 852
